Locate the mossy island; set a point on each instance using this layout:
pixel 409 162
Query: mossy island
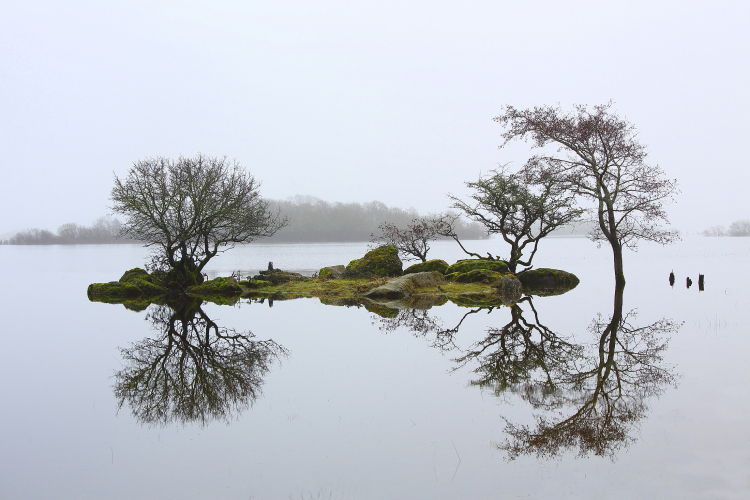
pixel 376 281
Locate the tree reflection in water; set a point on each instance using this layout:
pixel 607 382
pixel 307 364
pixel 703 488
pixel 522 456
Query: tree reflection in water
pixel 193 370
pixel 587 397
pixel 607 388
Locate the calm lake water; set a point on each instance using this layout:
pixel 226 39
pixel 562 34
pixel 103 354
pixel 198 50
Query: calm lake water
pixel 345 404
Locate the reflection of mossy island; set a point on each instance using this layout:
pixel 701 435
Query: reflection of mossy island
pixel 472 283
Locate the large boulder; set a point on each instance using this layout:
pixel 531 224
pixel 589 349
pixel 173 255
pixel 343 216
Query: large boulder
pixel 381 261
pixel 431 265
pixel 403 286
pixel 545 281
pixel 467 265
pixel 332 272
pixel 508 287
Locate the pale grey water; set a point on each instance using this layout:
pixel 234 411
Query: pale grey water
pixel 356 411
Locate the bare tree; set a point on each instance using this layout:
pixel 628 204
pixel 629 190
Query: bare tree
pixel 412 240
pixel 521 210
pixel 190 209
pixel 596 154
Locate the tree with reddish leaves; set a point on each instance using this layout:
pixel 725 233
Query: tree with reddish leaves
pixel 412 240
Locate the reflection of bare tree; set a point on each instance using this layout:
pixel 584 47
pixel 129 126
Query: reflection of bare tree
pixel 523 355
pixel 193 370
pixel 608 397
pixel 422 324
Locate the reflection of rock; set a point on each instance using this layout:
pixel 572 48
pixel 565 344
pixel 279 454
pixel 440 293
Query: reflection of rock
pixel 466 265
pixel 382 261
pixel 380 309
pixel 403 286
pixel 544 281
pixel 431 265
pixel 332 272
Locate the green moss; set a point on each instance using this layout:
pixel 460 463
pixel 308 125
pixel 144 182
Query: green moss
pixel 382 261
pixel 478 276
pixel 216 286
pixel 467 265
pixel 431 265
pixel 113 289
pixel 254 283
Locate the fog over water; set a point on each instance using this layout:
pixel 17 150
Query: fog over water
pixel 357 101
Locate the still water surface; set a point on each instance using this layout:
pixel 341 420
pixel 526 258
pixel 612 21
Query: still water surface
pixel 304 400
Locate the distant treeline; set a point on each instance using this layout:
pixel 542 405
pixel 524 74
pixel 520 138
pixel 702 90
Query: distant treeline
pixel 309 220
pixel 104 230
pixel 314 220
pixel 736 228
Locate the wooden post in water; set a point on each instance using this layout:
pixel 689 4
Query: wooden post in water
pixel 701 282
pixel 671 278
pixel 688 282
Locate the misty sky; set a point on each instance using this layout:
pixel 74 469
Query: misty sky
pixel 354 100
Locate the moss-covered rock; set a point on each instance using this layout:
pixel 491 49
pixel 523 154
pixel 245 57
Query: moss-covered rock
pixel 332 272
pixel 545 281
pixel 478 276
pixel 216 286
pixel 133 283
pixel 466 265
pixel 431 265
pixel 381 261
pixel 403 286
pixel 113 289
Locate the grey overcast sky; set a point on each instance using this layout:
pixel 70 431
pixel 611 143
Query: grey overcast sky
pixel 358 100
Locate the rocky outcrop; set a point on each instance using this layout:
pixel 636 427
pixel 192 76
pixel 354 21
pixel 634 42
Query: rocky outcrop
pixel 382 261
pixel 332 272
pixel 276 276
pixel 403 286
pixel 438 265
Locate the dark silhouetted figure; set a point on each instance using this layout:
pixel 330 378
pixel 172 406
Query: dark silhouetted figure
pixel 671 278
pixel 700 282
pixel 270 266
pixel 688 282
